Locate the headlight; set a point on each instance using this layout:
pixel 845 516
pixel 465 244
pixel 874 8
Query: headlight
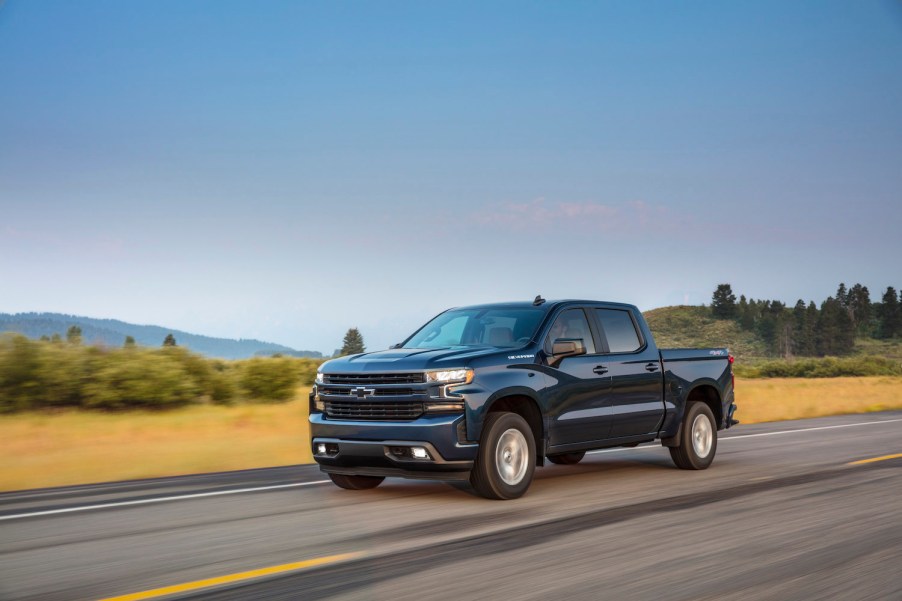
pixel 319 377
pixel 450 376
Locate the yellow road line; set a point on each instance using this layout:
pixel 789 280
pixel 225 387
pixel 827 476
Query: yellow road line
pixel 873 459
pixel 198 584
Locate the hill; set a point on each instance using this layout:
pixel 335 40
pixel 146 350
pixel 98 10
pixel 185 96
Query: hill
pixel 693 326
pixel 112 332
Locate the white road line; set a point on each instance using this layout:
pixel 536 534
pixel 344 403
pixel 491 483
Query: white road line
pixel 159 499
pixel 741 436
pixel 315 482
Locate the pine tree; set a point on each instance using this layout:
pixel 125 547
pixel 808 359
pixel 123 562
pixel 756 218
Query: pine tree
pixel 130 342
pixel 859 308
pixel 826 326
pixel 835 334
pixel 723 302
pixel 748 314
pixel 73 335
pixel 803 329
pixel 169 340
pixel 842 296
pixel 353 343
pixel 890 314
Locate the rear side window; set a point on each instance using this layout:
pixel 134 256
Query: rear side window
pixel 619 330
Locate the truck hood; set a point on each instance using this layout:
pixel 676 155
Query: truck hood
pixel 410 359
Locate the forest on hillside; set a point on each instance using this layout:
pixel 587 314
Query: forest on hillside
pixel 811 330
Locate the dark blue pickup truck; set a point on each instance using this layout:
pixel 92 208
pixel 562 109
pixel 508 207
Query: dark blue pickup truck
pixel 486 393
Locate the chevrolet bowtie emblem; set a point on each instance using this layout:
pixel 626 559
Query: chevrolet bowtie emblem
pixel 361 393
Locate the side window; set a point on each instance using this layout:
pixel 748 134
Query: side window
pixel 619 330
pixel 571 323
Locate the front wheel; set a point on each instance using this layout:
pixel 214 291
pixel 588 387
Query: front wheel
pixel 356 482
pixel 506 459
pixel 698 439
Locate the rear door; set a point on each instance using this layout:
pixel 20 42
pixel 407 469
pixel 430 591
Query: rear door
pixel 579 399
pixel 637 384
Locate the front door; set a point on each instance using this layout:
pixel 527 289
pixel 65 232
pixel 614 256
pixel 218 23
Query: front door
pixel 579 401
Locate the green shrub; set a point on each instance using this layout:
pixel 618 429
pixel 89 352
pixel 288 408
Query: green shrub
pixel 826 367
pixel 143 379
pixel 38 374
pixel 270 379
pixel 21 385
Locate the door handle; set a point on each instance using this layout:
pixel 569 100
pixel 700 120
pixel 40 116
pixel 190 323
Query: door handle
pixel 600 369
pixel 651 367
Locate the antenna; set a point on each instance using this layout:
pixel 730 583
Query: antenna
pixel 539 300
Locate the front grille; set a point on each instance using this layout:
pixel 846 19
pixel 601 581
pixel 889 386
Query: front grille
pixel 374 410
pixel 366 379
pixel 375 392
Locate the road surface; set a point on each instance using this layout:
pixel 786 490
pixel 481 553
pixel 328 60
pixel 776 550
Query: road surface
pixel 785 512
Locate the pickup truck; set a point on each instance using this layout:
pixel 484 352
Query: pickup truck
pixel 486 393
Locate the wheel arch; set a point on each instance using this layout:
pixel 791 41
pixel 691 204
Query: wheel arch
pixel 703 392
pixel 526 407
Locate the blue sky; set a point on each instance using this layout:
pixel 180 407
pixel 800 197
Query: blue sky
pixel 285 171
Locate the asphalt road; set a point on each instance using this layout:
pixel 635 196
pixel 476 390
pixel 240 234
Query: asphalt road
pixel 782 514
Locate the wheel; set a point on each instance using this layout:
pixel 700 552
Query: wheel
pixel 506 459
pixel 698 439
pixel 567 458
pixel 356 482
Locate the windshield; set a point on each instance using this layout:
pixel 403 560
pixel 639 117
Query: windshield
pixel 499 327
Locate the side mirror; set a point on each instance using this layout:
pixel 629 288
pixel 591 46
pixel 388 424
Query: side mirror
pixel 566 347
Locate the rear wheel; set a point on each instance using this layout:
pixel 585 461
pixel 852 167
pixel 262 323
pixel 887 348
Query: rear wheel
pixel 506 460
pixel 356 482
pixel 698 439
pixel 567 458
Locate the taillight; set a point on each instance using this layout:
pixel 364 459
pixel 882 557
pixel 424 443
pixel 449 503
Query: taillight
pixel 732 375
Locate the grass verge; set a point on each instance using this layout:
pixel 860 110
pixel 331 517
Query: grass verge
pixel 777 399
pixel 39 449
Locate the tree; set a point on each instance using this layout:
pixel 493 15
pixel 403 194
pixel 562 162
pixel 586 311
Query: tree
pixel 890 315
pixel 73 335
pixel 169 340
pixel 859 308
pixel 835 334
pixel 803 324
pixel 842 296
pixel 747 313
pixel 130 342
pixel 353 343
pixel 56 338
pixel 723 302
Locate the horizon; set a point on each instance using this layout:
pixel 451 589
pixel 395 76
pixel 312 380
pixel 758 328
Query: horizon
pixel 288 172
pixel 875 296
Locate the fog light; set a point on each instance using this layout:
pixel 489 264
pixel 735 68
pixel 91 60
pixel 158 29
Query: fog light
pixel 321 449
pixel 419 453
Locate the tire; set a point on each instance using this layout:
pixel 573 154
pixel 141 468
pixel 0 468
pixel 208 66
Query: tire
pixel 356 482
pixel 567 458
pixel 506 461
pixel 698 439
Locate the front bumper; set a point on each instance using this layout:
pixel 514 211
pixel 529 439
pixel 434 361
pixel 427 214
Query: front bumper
pixel 382 448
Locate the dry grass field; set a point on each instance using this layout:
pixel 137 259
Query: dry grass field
pixel 777 399
pixel 76 447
